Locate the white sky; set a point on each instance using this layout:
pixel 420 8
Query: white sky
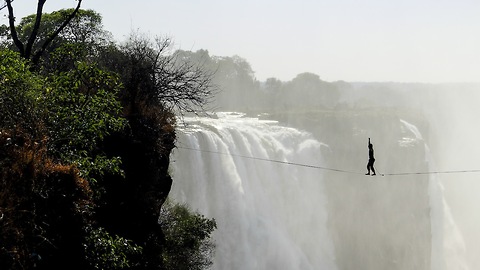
pixel 351 40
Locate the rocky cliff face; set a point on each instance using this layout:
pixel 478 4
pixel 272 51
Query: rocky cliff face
pixel 132 205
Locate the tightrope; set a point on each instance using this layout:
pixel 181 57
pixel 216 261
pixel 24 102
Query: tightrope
pixel 325 168
pixel 269 160
pixel 434 172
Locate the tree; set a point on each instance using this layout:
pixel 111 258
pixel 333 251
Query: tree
pixel 307 89
pixel 273 85
pixel 83 110
pixel 236 77
pixel 26 48
pixel 84 30
pixel 44 205
pixel 76 110
pixel 106 252
pixel 188 245
pixel 156 76
pixel 154 84
pixel 98 114
pixel 19 91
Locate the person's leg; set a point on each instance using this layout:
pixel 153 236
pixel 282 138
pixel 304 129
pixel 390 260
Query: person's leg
pixel 373 169
pixel 368 168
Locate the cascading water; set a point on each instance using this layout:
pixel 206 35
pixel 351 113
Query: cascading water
pixel 269 215
pixel 448 247
pixel 280 216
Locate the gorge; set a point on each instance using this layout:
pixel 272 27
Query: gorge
pixel 288 189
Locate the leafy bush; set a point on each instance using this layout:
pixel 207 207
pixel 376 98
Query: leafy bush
pixel 20 91
pixel 187 238
pixel 73 110
pixel 104 251
pixel 44 207
pixel 82 110
pixel 51 129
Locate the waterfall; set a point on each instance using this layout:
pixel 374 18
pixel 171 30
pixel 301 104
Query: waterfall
pixel 448 246
pixel 276 216
pixel 448 250
pixel 269 215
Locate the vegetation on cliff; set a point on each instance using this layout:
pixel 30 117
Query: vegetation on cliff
pixel 86 129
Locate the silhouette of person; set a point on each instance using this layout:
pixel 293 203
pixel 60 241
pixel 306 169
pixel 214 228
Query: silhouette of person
pixel 371 159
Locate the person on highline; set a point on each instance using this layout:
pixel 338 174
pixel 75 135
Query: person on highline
pixel 371 159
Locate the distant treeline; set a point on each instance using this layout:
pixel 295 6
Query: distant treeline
pixel 240 90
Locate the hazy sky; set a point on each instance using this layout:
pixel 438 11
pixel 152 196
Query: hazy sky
pixel 351 40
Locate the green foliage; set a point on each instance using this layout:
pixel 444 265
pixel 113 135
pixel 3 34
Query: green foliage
pixel 44 207
pixel 85 28
pixel 187 238
pixel 63 133
pixel 4 33
pixel 20 91
pixel 65 57
pixel 75 109
pixel 105 251
pixel 82 111
pixel 70 112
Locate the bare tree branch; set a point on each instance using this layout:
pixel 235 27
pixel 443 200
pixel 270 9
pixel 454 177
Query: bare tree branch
pixel 47 42
pixel 26 51
pixel 36 26
pixel 181 86
pixel 4 5
pixel 13 30
pixel 178 85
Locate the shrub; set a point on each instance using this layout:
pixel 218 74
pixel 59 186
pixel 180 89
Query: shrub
pixel 187 238
pixel 104 251
pixel 20 91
